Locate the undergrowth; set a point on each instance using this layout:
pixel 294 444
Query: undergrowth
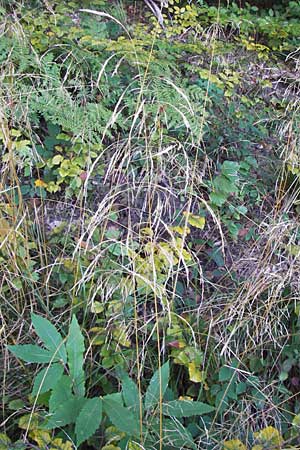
pixel 149 254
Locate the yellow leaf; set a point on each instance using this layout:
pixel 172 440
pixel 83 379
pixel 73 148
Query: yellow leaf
pixel 134 446
pixel 97 307
pixel 40 183
pixel 147 231
pixel 29 422
pixel 42 437
pixel 257 447
pixel 181 230
pixel 57 159
pixel 110 447
pixel 195 221
pixel 60 445
pixel 4 228
pixel 185 398
pixel 196 375
pixel 234 444
pixel 270 436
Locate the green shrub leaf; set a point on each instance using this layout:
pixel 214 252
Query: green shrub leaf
pixel 185 408
pixel 61 393
pixel 75 350
pixel 121 417
pixel 176 435
pixel 157 387
pixel 88 419
pixel 47 378
pixel 66 413
pixel 31 353
pixel 130 392
pixel 50 336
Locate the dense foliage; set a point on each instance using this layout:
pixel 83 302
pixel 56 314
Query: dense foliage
pixel 149 254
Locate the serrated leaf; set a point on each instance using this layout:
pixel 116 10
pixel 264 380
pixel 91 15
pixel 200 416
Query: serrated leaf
pixel 185 408
pixel 75 351
pixel 47 378
pixel 176 436
pixel 88 419
pixel 224 185
pixel 51 338
pixel 121 417
pixel 157 387
pixel 66 413
pixel 61 393
pixel 217 198
pixel 31 353
pixel 230 168
pixel 130 392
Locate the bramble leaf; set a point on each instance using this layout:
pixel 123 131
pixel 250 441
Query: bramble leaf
pixel 66 413
pixel 47 378
pixel 31 353
pixel 75 351
pixel 130 392
pixel 157 387
pixel 61 393
pixel 120 416
pixel 184 408
pixel 51 338
pixel 88 419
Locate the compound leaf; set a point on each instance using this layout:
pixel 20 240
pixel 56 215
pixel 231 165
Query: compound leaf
pixel 31 353
pixel 47 378
pixel 88 419
pixel 66 413
pixel 186 408
pixel 75 350
pixel 157 387
pixel 121 417
pixel 62 392
pixel 50 336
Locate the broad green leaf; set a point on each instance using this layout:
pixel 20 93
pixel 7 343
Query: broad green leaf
pixel 157 387
pixel 88 419
pixel 47 378
pixel 50 336
pixel 61 393
pixel 75 351
pixel 130 392
pixel 121 417
pixel 217 198
pixel 185 408
pixel 176 436
pixel 226 373
pixel 66 413
pixel 224 185
pixel 31 353
pixel 230 168
pixel 16 405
